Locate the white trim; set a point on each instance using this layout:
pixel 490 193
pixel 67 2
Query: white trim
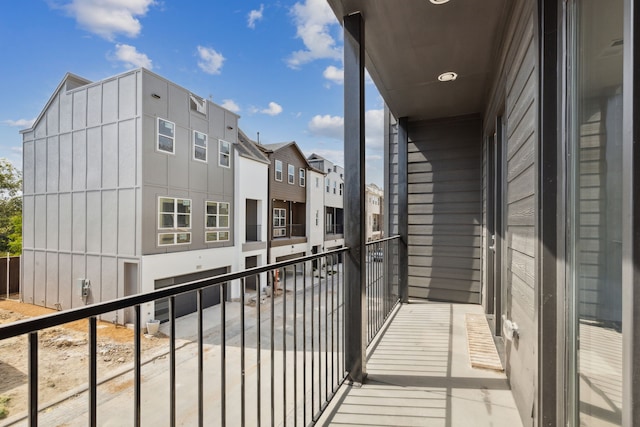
pixel 221 154
pixel 206 146
pixel 175 237
pixel 275 175
pixel 291 174
pixel 174 213
pixel 172 138
pixel 302 177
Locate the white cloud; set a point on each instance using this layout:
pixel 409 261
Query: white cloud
pixel 131 58
pixel 20 123
pixel 230 105
pixel 327 126
pixel 334 156
pixel 374 128
pixel 108 18
pixel 255 15
pixel 210 60
pixel 314 20
pixel 334 74
pixel 273 110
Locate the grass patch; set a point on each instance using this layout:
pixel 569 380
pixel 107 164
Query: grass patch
pixel 3 406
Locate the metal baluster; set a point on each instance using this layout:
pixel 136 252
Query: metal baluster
pixel 93 372
pixel 284 348
pixel 137 368
pixel 242 354
pixel 326 333
pixel 313 345
pixel 304 340
pixel 295 345
pixel 258 358
pixel 223 354
pixel 200 362
pixel 272 320
pixel 33 379
pixel 172 361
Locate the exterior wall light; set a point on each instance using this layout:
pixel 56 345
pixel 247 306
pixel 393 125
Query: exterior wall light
pixel 449 76
pixel 155 95
pixel 439 1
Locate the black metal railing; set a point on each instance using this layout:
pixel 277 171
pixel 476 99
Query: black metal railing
pixel 382 287
pixel 277 362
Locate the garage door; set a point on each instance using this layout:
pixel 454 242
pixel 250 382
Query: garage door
pixel 187 303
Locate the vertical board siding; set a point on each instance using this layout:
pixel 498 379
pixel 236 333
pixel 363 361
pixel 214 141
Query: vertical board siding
pixel 445 209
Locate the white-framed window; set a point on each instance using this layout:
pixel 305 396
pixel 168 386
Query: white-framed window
pixel 335 184
pixel 224 153
pixel 199 146
pixel 302 179
pixel 291 174
pixel 317 182
pixel 278 170
pixel 279 217
pixel 216 216
pixel 317 218
pixel 174 214
pixel 166 136
pixel 327 182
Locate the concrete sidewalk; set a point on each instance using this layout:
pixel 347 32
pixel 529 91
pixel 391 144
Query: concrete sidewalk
pixel 419 375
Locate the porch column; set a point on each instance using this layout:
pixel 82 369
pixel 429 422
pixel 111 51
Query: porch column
pixel 354 197
pixel 403 207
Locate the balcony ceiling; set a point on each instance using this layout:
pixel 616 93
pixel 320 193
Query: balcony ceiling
pixel 409 43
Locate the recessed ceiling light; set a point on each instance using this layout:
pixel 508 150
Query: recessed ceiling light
pixel 449 76
pixel 439 1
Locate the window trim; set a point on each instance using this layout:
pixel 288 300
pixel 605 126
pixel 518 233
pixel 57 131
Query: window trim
pixel 206 146
pixel 221 142
pixel 158 135
pixel 282 217
pixel 278 162
pixel 174 213
pixel 302 177
pixel 175 238
pixel 291 174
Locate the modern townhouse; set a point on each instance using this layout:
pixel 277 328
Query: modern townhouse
pixel 128 187
pixel 374 196
pixel 288 172
pixel 333 201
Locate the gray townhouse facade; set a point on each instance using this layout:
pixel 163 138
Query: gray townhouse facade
pixel 512 177
pixel 128 187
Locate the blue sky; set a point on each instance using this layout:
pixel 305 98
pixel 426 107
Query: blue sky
pixel 277 64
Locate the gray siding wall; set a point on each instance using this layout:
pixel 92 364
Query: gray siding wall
pixel 445 211
pixel 391 195
pixel 179 175
pixel 516 90
pixel 82 192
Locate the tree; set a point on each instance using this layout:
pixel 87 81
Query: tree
pixel 10 208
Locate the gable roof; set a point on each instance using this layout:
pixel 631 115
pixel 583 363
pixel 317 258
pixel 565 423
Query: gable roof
pixel 248 148
pixel 272 148
pixel 69 82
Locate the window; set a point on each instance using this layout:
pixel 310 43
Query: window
pixel 199 146
pixel 291 171
pixel 216 216
pixel 174 214
pixel 317 217
pixel 317 182
pixel 279 217
pixel 224 159
pixel 302 177
pixel 328 184
pixel 335 184
pixel 166 136
pixel 341 188
pixel 278 170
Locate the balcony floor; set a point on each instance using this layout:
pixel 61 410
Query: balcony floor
pixel 419 374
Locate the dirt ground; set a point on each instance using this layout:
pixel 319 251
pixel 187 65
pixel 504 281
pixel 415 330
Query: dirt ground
pixel 63 356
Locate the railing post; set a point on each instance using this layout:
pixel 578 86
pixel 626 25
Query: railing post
pixel 354 196
pixel 403 204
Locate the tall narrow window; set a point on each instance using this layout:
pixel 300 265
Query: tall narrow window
pixel 224 154
pixel 278 170
pixel 596 214
pixel 302 177
pixel 199 146
pixel 166 136
pixel 291 174
pixel 216 221
pixel 279 222
pixel 328 184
